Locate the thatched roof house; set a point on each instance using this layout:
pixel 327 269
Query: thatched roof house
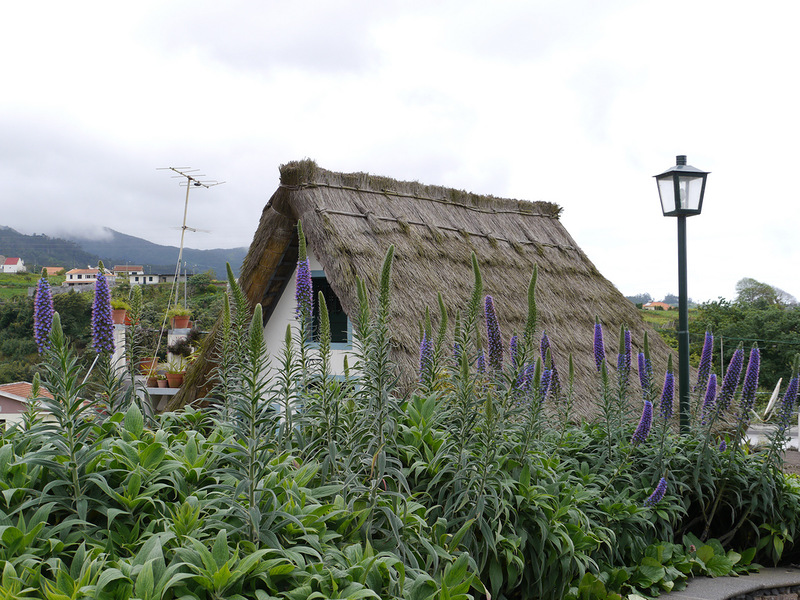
pixel 351 219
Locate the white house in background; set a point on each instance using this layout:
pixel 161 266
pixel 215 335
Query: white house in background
pixel 152 279
pixel 85 276
pixel 14 398
pixel 126 270
pixel 13 265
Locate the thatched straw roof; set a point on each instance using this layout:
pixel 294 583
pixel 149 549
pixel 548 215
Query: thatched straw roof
pixel 350 220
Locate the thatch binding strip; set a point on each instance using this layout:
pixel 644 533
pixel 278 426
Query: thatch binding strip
pixel 402 223
pixel 552 214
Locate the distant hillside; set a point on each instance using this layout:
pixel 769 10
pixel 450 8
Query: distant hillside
pixel 120 249
pixel 44 251
pixel 41 251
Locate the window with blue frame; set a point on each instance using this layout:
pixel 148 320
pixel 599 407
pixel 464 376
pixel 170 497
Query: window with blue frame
pixel 340 327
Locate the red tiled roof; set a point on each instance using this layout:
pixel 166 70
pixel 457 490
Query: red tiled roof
pixel 22 389
pixel 12 261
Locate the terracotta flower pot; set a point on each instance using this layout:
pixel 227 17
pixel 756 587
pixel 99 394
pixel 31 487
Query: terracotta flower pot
pixel 148 364
pixel 120 316
pixel 152 382
pixel 162 383
pixel 175 379
pixel 180 322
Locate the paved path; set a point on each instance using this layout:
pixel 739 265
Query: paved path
pixel 721 588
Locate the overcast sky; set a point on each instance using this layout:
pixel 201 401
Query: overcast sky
pixel 576 102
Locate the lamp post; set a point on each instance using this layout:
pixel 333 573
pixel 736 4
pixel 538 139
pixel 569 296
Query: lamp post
pixel 681 189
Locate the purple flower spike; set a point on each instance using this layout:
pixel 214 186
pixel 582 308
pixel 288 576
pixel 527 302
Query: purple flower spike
pixel 723 446
pixel 658 493
pixel 750 384
pixel 643 428
pixel 425 359
pixel 667 395
pixel 42 315
pixel 704 368
pixel 645 376
pixel 303 295
pixel 708 401
pixel 482 362
pixel 514 350
pixel 624 359
pixel 102 323
pixel 544 347
pixel 731 380
pixel 527 377
pixel 787 405
pixel 544 386
pixel 493 335
pixel 599 347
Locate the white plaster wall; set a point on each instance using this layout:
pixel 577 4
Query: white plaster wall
pixel 275 329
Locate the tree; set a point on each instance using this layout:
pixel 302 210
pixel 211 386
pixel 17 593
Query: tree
pixel 761 295
pixel 642 298
pixel 775 329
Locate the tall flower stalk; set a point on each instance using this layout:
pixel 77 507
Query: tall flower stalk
pixel 704 368
pixel 731 380
pixel 102 323
pixel 42 313
pixel 495 342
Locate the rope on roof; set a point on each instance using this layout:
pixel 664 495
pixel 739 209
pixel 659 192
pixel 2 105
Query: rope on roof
pixel 388 192
pixel 372 215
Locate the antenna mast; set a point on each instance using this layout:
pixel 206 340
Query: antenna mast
pixel 193 179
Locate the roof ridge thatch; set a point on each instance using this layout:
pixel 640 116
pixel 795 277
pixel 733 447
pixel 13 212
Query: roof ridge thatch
pixel 306 174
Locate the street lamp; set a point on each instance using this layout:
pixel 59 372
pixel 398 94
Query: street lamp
pixel 681 189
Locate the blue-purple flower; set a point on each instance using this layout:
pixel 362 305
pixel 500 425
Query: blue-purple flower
pixel 495 342
pixel 645 375
pixel 709 401
pixel 544 348
pixel 731 380
pixel 425 358
pixel 481 362
pixel 750 384
pixel 599 347
pixel 304 294
pixel 667 395
pixel 544 384
pixel 42 313
pixel 513 347
pixel 624 359
pixel 704 368
pixel 658 493
pixel 723 445
pixel 102 323
pixel 643 428
pixel 787 405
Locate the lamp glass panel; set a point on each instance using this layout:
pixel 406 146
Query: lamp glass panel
pixel 666 190
pixel 690 188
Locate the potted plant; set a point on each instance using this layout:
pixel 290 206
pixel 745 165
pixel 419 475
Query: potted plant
pixel 175 371
pixel 161 380
pixel 119 311
pixel 180 317
pixel 152 374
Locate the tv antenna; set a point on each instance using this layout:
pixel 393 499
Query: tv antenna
pixel 191 178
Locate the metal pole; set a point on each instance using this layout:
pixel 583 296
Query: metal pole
pixel 683 328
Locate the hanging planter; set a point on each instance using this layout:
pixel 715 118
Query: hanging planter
pixel 180 317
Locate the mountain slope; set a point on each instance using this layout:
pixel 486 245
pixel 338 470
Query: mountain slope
pixel 43 251
pixel 122 249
